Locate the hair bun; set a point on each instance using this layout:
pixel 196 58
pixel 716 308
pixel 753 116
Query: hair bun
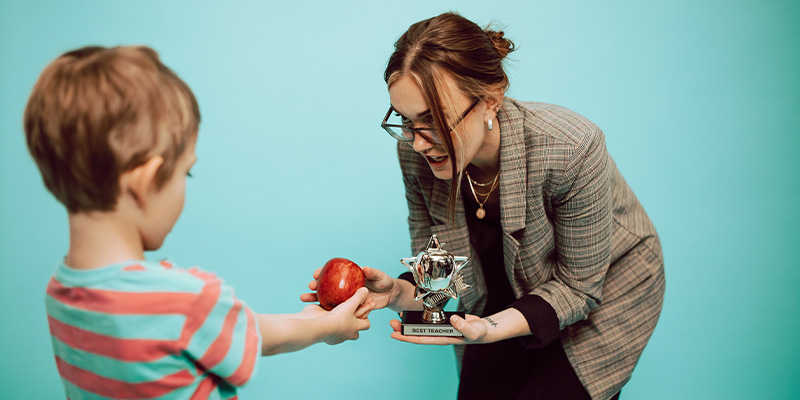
pixel 501 45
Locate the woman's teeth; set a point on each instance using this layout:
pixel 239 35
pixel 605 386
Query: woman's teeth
pixel 438 159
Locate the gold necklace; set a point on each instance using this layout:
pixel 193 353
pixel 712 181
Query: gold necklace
pixel 476 183
pixel 480 212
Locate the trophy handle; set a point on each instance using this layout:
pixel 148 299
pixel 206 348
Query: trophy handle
pixel 404 261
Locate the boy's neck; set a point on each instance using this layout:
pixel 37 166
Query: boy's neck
pixel 98 239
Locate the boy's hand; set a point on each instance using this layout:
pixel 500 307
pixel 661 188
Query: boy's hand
pixel 312 311
pixel 345 319
pixel 316 311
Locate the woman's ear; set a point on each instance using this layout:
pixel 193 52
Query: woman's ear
pixel 494 102
pixel 139 181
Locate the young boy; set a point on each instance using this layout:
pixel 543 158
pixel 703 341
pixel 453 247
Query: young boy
pixel 113 132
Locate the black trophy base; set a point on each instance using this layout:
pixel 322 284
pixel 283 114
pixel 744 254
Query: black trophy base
pixel 413 325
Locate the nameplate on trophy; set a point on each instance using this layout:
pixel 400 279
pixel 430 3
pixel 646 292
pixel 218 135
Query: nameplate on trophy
pixel 414 325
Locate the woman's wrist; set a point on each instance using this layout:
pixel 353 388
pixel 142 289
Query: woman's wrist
pixel 506 324
pixel 402 295
pixel 493 334
pixel 396 295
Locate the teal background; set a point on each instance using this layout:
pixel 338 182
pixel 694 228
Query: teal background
pixel 699 100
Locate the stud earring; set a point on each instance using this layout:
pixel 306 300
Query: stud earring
pixel 490 124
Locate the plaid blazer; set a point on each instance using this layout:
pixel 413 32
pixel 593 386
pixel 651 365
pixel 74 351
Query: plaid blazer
pixel 573 233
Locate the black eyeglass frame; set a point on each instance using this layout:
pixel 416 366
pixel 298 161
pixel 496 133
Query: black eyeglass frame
pixel 418 131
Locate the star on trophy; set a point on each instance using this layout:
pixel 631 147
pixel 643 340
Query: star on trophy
pixel 438 277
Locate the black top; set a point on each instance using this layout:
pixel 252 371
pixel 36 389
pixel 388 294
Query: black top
pixel 486 237
pixel 532 366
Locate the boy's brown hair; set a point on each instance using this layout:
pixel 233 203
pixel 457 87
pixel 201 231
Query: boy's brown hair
pixel 97 112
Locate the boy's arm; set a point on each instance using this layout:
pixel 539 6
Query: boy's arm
pixel 270 317
pixel 284 333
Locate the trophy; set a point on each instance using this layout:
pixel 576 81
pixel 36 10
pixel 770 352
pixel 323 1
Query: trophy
pixel 438 277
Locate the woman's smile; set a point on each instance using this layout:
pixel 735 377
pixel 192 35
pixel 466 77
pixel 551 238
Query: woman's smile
pixel 437 162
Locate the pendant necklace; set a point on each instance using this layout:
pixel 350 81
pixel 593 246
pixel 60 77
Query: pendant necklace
pixel 480 212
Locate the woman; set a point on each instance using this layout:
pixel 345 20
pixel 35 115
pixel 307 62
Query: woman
pixel 566 269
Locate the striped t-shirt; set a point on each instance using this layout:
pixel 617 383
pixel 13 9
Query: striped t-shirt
pixel 145 330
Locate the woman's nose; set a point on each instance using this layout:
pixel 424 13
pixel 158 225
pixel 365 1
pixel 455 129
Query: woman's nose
pixel 421 144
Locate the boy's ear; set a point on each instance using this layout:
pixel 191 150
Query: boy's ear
pixel 139 181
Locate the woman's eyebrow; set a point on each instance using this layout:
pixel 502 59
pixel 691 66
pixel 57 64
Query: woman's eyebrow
pixel 420 115
pixel 424 113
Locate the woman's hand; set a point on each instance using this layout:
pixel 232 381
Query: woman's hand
pixel 505 324
pixel 383 289
pixel 474 329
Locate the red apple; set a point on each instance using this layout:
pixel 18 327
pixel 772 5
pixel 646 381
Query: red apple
pixel 339 279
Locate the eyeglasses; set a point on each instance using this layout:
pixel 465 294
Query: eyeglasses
pixel 407 133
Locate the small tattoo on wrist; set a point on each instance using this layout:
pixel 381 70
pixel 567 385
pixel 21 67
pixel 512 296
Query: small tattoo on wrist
pixel 494 324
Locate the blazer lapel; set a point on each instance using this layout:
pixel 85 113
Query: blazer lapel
pixel 512 181
pixel 438 208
